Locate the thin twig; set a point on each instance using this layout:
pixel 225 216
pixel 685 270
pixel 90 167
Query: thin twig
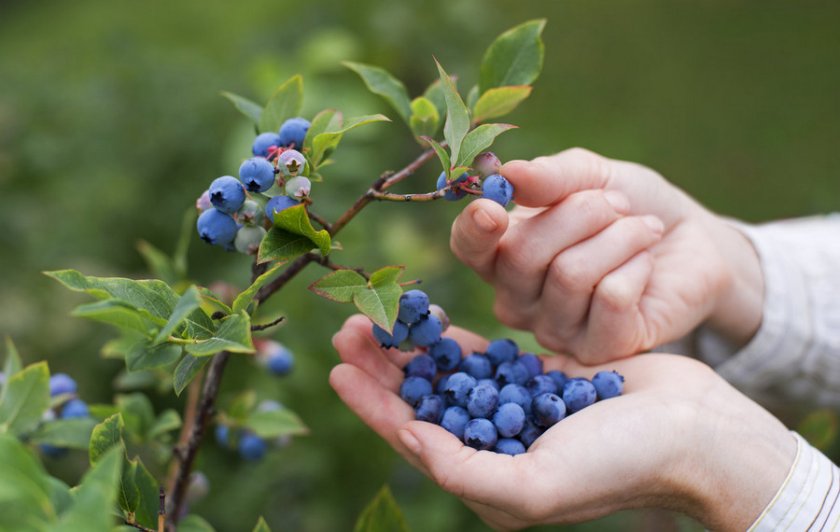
pixel 190 412
pixel 408 198
pixel 264 326
pixel 138 526
pixel 319 219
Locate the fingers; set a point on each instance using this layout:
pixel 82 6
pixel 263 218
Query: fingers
pixel 476 233
pixel 356 346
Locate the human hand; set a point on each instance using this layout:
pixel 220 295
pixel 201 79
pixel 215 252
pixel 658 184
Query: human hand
pixel 680 438
pixel 604 259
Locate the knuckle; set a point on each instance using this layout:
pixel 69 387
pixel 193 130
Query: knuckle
pixel 590 207
pixel 570 273
pixel 615 294
pixel 508 315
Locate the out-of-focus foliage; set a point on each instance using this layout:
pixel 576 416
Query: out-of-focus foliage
pixel 111 123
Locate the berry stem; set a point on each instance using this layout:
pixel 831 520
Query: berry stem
pixel 264 326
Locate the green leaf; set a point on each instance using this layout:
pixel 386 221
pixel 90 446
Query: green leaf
pixel 245 106
pixel 472 97
pixel 187 303
pixel 242 406
pixel 381 301
pixel 457 116
pixel 247 296
pixel 380 82
pixel 285 103
pixel 499 101
pixel 186 370
pixel 168 421
pixel 324 143
pixel 478 140
pixel 143 355
pixel 292 235
pixel 194 523
pixel 443 157
pixel 339 286
pixel 158 262
pixel 275 423
pixel 59 495
pixel 148 488
pixel 425 119
pixel 24 399
pixel 12 364
pixel 434 93
pixel 25 488
pixel 261 526
pixel 515 57
pixel 234 335
pixel 66 433
pixel 323 121
pixel 95 495
pixel 382 515
pixel 119 314
pixel 105 436
pixel 128 496
pixel 138 414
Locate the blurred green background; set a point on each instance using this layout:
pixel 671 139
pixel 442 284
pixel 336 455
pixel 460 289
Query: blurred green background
pixel 111 124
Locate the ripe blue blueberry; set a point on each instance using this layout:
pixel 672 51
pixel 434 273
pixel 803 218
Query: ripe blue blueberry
pixel 482 400
pixel 517 394
pixel 504 350
pixel 480 434
pixel 216 227
pixel 548 409
pixel 293 132
pixel 298 187
pixel 541 384
pixel 455 419
pixel 257 174
pixel 512 372
pixel 440 386
pixel 52 451
pixel 277 204
pixel 559 378
pixel 458 388
pixel 275 357
pixel 414 305
pixel 477 365
pixel 509 446
pixel 252 447
pixel 447 354
pixel 248 239
pixel 75 408
pixel 487 163
pixel 491 382
pixel 430 409
pixel 533 363
pixel 222 435
pixel 509 420
pixel 389 340
pixel 453 194
pixel 413 389
pixel 227 194
pixel 292 163
pixel 498 189
pixel 61 383
pixel 263 142
pixel 530 432
pixel 425 332
pixel 421 366
pixel 608 384
pixel 578 394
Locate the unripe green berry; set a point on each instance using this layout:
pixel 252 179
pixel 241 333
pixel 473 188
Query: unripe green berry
pixel 248 239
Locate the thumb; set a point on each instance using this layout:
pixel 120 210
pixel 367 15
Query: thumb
pixel 547 181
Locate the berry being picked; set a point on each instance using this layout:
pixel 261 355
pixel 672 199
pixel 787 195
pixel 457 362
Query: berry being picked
pixel 548 409
pixel 478 366
pixel 298 187
pixel 455 193
pixel 421 366
pixel 248 239
pixel 541 384
pixel 425 332
pixel 203 202
pixel 578 394
pixel 278 204
pixel 293 132
pixel 509 420
pixel 250 213
pixel 263 142
pixel 498 189
pixel 533 363
pixel 458 388
pixel 499 351
pixel 75 408
pixel 216 227
pixel 291 162
pixel 487 163
pixel 512 372
pixel 509 446
pixel 482 400
pixel 430 408
pixel 480 434
pixel 257 174
pixel 517 394
pixel 227 194
pixel 393 339
pixel 61 383
pixel 608 384
pixel 446 353
pixel 455 419
pixel 414 305
pixel 252 447
pixel 413 389
pixel 436 310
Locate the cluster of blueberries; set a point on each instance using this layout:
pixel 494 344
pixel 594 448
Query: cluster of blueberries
pixel 498 400
pixel 232 212
pixel 494 187
pixel 66 405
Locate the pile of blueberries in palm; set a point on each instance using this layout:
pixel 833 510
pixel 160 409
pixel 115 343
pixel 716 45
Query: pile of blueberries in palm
pixel 493 187
pixel 236 212
pixel 498 400
pixel 65 405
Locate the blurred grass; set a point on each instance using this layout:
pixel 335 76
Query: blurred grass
pixel 111 123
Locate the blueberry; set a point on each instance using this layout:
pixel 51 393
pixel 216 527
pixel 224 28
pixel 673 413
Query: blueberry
pixel 198 486
pixel 425 332
pixel 498 189
pixel 298 187
pixel 533 363
pixel 252 447
pixel 482 400
pixel 414 305
pixel 440 387
pixel 394 339
pixel 250 213
pixel 222 435
pixel 275 357
pixel 541 384
pixel 454 420
pixel 509 420
pixel 216 227
pixel 548 409
pixel 480 434
pixel 51 450
pixel 248 239
pixel 559 378
pixel 421 366
pixel 491 382
pixel 515 393
pixel 269 405
pixel 578 394
pixel 530 432
pixel 292 163
pixel 75 408
pixel 487 163
pixel 509 446
pixel 437 310
pixel 477 365
pixel 608 384
pixel 263 142
pixel 293 132
pixel 257 174
pixel 61 383
pixel 414 388
pixel 226 194
pixel 458 388
pixel 504 350
pixel 512 372
pixel 277 204
pixel 430 408
pixel 447 354
pixel 453 194
pixel 203 202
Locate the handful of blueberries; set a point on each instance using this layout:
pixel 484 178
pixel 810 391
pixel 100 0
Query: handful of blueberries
pixel 498 400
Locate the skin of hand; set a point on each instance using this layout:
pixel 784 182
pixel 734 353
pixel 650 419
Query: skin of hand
pixel 679 438
pixel 603 259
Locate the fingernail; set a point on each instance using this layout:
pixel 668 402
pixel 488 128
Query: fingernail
pixel 484 221
pixel 654 223
pixel 617 201
pixel 408 439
